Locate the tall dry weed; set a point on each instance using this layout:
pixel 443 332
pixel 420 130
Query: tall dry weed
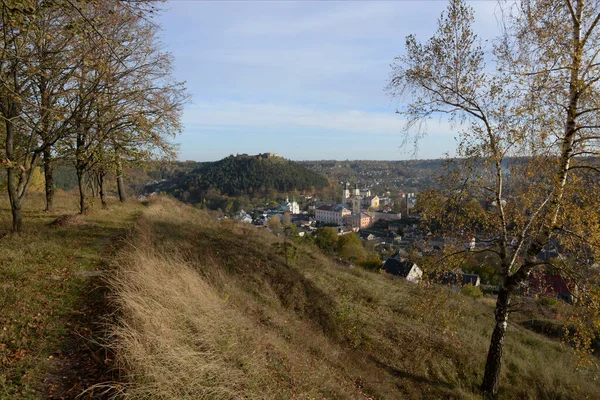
pixel 174 330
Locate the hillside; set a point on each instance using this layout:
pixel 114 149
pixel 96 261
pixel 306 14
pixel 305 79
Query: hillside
pixel 243 174
pixel 380 176
pixel 210 309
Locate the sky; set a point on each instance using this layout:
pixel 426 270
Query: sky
pixel 302 79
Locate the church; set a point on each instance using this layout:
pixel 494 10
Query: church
pixel 363 195
pixel 359 199
pixel 290 206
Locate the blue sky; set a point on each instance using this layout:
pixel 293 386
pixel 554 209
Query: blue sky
pixel 302 79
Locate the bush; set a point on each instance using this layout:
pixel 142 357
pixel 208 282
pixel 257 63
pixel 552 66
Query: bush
pixel 547 301
pixel 372 262
pixel 350 248
pixel 327 239
pixel 471 291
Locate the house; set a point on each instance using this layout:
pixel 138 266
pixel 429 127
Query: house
pixel 242 216
pixel 550 251
pixel 458 279
pixel 395 227
pixel 553 285
pixel 367 235
pixel 471 279
pixel 331 214
pixel 370 201
pixel 387 215
pixel 405 269
pixel 358 221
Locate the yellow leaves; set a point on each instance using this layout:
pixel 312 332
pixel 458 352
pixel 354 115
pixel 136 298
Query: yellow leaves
pixel 583 327
pixel 37 182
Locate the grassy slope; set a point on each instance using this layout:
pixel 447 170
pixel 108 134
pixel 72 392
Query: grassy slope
pixel 209 310
pixel 44 301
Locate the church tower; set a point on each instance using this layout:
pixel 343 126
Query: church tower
pixel 345 194
pixel 357 190
pixel 356 200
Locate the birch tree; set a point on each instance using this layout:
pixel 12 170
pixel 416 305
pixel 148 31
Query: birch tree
pixel 529 133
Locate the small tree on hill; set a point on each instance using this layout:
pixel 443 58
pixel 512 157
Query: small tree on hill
pixel 275 223
pixel 327 239
pixel 350 248
pixel 529 138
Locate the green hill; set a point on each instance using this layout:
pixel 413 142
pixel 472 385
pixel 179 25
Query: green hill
pixel 243 174
pixel 210 309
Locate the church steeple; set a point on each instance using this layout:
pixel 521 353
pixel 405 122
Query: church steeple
pixel 356 200
pixel 345 193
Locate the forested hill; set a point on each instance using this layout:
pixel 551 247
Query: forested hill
pixel 244 174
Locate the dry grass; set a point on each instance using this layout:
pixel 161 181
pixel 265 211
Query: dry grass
pixel 209 309
pixel 178 336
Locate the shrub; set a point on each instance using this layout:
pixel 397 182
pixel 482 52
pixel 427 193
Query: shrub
pixel 327 239
pixel 471 291
pixel 547 301
pixel 350 248
pixel 372 262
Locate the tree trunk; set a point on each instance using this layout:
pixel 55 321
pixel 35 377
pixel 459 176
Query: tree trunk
pixel 11 176
pixel 92 184
pixel 101 190
pixel 83 200
pixel 49 178
pixel 121 183
pixel 16 203
pixel 491 378
pixel 17 214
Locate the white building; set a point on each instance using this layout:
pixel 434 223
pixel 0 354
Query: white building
pixel 242 216
pixel 331 214
pixel 387 215
pixel 291 207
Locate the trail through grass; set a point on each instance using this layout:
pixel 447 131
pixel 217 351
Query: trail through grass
pixel 51 297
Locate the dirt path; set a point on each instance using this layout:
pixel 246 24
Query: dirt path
pixel 82 362
pixel 82 367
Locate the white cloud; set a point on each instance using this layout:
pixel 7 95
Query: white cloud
pixel 316 60
pixel 288 20
pixel 270 117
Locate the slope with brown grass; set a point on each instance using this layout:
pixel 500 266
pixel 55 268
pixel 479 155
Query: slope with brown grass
pixel 210 309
